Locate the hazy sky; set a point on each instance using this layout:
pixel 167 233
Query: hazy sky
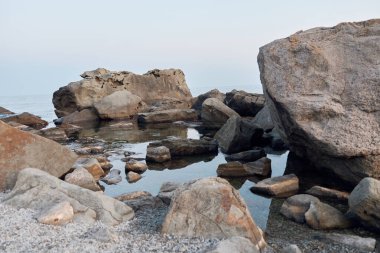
pixel 46 44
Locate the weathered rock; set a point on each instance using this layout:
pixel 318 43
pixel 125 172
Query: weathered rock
pixel 71 131
pixel 198 101
pixel 324 216
pixel 119 105
pixel 144 202
pixel 101 234
pixel 133 177
pixel 291 248
pixel 215 113
pixel 263 119
pixel 157 154
pixel 37 189
pixel 153 86
pixel 54 133
pixel 19 150
pixel 82 178
pixel 363 243
pixel 113 177
pixel 244 103
pixel 91 165
pixel 282 186
pixel 187 147
pixel 168 116
pixel 364 202
pixel 133 195
pixel 21 126
pixel 167 191
pixel 26 119
pixel 90 150
pixel 322 88
pixel 296 206
pixel 5 111
pixel 77 117
pixel 247 156
pixel 58 214
pixel 261 167
pixel 326 193
pixel 238 134
pixel 236 244
pixel 211 207
pixel 136 166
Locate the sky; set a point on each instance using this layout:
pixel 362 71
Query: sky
pixel 45 44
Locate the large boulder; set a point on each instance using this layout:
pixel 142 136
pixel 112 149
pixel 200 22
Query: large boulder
pixel 26 119
pixel 19 150
pixel 119 105
pixel 153 86
pixel 322 88
pixel 211 207
pixel 364 202
pixel 244 103
pixel 198 101
pixel 36 189
pixel 215 113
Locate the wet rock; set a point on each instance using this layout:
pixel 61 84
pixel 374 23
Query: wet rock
pixel 292 248
pixel 91 165
pixel 77 117
pixel 363 243
pixel 113 177
pixel 296 206
pixel 118 105
pixel 326 193
pixel 244 103
pixel 167 191
pixel 236 244
pixel 58 214
pixel 82 178
pixel 324 216
pixel 132 195
pixel 282 186
pixel 261 167
pixel 215 113
pixel 364 202
pixel 136 166
pixel 54 133
pixel 37 189
pixel 247 156
pixel 322 111
pixel 187 147
pixel 26 119
pixel 238 134
pixel 211 207
pixel 21 150
pixel 157 154
pixel 263 119
pixel 168 116
pixel 133 177
pixel 4 111
pixel 198 101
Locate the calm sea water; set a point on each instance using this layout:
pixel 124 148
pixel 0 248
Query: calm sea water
pixel 137 140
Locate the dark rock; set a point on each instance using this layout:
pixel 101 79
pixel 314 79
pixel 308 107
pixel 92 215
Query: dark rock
pixel 168 116
pixel 198 101
pixel 244 103
pixel 187 147
pixel 282 186
pixel 247 156
pixel 27 119
pixel 214 113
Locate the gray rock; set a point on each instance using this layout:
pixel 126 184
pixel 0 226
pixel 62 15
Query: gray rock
pixel 82 178
pixel 5 111
pixel 363 243
pixel 198 101
pixel 236 244
pixel 157 154
pixel 133 177
pixel 326 193
pixel 325 96
pixel 263 119
pixel 167 191
pixel 247 156
pixel 170 115
pixel 215 113
pixel 136 166
pixel 296 206
pixel 37 189
pixel 238 134
pixel 244 103
pixel 58 214
pixel 77 117
pixel 113 177
pixel 211 207
pixel 187 147
pixel 282 186
pixel 291 248
pixel 261 167
pixel 364 202
pixel 53 133
pixel 144 202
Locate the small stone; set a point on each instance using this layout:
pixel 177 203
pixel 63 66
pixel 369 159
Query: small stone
pixel 133 177
pixel 282 186
pixel 113 177
pixel 136 166
pixel 57 214
pixel 158 154
pixel 261 167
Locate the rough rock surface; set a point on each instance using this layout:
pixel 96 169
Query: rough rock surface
pixel 136 166
pixel 326 193
pixel 244 103
pixel 27 119
pixel 82 116
pixel 364 202
pixel 157 154
pixel 168 116
pixel 247 156
pixel 19 150
pixel 58 214
pixel 322 88
pixel 282 186
pixel 263 119
pixel 187 147
pixel 82 178
pixel 211 207
pixel 215 113
pixel 296 206
pixel 113 177
pixel 167 191
pixel 198 101
pixel 91 165
pixel 97 84
pixel 53 133
pixel 261 167
pixel 133 177
pixel 119 105
pixel 37 189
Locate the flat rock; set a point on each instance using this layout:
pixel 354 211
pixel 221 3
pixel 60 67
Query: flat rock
pixel 171 115
pixel 26 119
pixel 157 154
pixel 198 101
pixel 37 189
pixel 82 178
pixel 133 177
pixel 322 89
pixel 247 156
pixel 261 167
pixel 53 133
pixel 58 214
pixel 215 113
pixel 236 244
pixel 211 207
pixel 19 150
pixel 91 165
pixel 296 206
pixel 112 177
pixel 326 193
pixel 132 195
pixel 244 103
pixel 282 186
pixel 136 166
pixel 187 147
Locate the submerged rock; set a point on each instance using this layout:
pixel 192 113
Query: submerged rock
pixel 244 103
pixel 26 119
pixel 113 177
pixel 215 113
pixel 282 186
pixel 325 96
pixel 168 116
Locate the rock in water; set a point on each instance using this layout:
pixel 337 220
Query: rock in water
pixel 19 150
pixel 5 111
pixel 244 103
pixel 215 113
pixel 322 87
pixel 198 101
pixel 364 202
pixel 211 207
pixel 82 178
pixel 37 189
pixel 187 147
pixel 27 119
pixel 119 105
pixel 168 116
pixel 157 154
pixel 324 216
pixel 282 186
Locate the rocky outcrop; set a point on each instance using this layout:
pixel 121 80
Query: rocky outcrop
pixel 38 190
pixel 211 207
pixel 198 101
pixel 19 150
pixel 26 119
pixel 214 113
pixel 54 133
pixel 154 86
pixel 168 116
pixel 322 88
pixel 261 167
pixel 244 103
pixel 4 111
